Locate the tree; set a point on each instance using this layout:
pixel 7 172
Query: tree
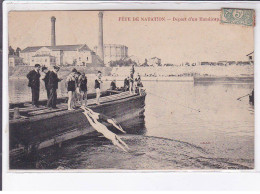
pixel 11 51
pixel 17 52
pixel 145 63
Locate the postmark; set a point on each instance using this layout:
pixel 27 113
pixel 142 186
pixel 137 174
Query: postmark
pixel 245 17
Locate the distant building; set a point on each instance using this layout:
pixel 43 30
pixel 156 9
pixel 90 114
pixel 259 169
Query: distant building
pixel 59 55
pixel 114 52
pixel 154 61
pixel 14 60
pixel 250 56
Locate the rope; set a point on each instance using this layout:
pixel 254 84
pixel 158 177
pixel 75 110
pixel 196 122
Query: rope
pixel 174 102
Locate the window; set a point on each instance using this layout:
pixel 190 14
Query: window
pixel 250 57
pixel 87 58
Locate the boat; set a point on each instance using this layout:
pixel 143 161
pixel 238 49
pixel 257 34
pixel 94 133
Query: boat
pixel 32 129
pixel 251 99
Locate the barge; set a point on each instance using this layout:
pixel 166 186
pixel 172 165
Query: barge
pixel 32 128
pixel 251 99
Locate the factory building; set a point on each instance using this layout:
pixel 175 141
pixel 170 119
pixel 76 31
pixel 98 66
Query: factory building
pixel 78 55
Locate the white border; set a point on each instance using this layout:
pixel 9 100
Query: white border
pixel 177 180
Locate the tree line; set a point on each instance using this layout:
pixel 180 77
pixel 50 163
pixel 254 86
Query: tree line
pixel 16 52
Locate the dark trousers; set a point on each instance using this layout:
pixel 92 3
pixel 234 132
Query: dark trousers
pixel 52 100
pixel 35 95
pixel 48 93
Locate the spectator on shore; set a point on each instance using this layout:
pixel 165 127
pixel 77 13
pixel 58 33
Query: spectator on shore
pixel 83 81
pixel 46 80
pixel 98 82
pixel 34 83
pixel 71 87
pixel 53 86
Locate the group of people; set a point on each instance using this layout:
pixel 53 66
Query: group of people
pixel 51 81
pixel 76 84
pixel 133 84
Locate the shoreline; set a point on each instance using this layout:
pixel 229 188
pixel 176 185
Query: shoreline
pixel 169 78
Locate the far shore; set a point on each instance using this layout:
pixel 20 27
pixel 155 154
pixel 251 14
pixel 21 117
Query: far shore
pixel 146 78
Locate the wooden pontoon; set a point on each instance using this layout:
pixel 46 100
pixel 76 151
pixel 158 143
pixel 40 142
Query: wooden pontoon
pixel 224 79
pixel 37 128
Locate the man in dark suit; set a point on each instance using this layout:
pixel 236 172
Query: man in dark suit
pixel 34 82
pixel 53 86
pixel 46 80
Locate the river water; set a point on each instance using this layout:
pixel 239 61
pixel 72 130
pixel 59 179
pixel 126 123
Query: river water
pixel 186 126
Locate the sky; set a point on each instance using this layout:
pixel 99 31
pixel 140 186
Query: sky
pixel 172 41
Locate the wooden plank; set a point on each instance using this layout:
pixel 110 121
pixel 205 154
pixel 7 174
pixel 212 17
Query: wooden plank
pixel 63 106
pixel 27 109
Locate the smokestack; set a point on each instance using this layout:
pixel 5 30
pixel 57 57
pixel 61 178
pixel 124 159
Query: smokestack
pixel 100 49
pixel 53 37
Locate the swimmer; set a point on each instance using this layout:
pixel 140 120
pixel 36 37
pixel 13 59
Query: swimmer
pixel 93 120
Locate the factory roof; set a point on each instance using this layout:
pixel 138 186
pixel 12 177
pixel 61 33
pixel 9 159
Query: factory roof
pixel 44 55
pixel 58 48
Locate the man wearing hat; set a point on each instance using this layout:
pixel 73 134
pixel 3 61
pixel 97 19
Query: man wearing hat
pixel 34 83
pixel 53 86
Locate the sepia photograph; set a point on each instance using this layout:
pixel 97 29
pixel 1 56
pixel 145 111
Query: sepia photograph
pixel 131 90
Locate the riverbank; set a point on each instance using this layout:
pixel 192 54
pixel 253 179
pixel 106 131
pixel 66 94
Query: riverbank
pixel 169 78
pixel 22 71
pixel 187 71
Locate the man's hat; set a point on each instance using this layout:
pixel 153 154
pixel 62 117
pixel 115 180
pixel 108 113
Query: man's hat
pixel 44 68
pixel 74 70
pixel 37 65
pixel 56 68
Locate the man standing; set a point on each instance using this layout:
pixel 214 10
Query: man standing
pixel 131 86
pixel 34 82
pixel 97 86
pixel 46 80
pixel 83 87
pixel 53 86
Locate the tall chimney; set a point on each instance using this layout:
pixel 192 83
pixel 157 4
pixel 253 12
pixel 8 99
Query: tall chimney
pixel 100 49
pixel 53 37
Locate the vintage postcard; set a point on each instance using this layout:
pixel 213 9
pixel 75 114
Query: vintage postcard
pixel 131 90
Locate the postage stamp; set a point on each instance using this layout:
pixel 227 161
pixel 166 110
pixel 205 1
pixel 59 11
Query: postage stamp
pixel 244 17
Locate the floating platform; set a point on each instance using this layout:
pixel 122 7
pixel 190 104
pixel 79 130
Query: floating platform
pixel 38 128
pixel 242 79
